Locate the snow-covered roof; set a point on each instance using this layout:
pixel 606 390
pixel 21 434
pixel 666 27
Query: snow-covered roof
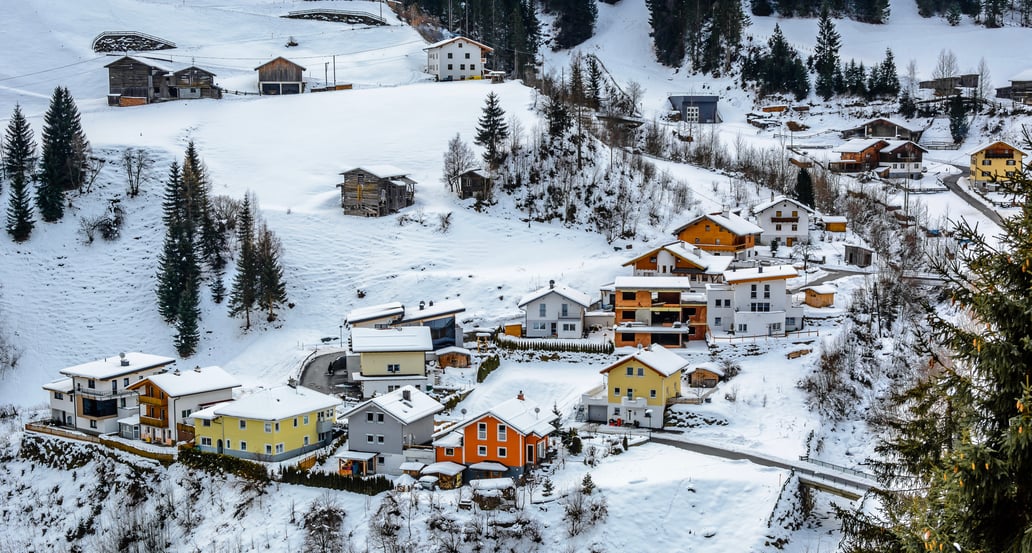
pixel 372 312
pixel 194 381
pixel 411 465
pixel 834 218
pixel 111 367
pixel 708 366
pixel 657 358
pixel 432 309
pixel 447 468
pixel 893 145
pixel 355 455
pixel 280 58
pixel 777 200
pixel 453 349
pixel 986 145
pixel 63 385
pixel 571 294
pixel 857 145
pixel 450 438
pixel 407 410
pixel 731 222
pixel 273 404
pixel 399 338
pixel 490 466
pixel 440 43
pixel 163 65
pixel 887 120
pixel 132 420
pixel 820 288
pixel 652 283
pixel 522 415
pixel 761 273
pixel 693 254
pixel 478 172
pixel 381 171
pixel 1024 75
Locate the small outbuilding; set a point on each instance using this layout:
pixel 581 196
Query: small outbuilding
pixel 696 109
pixel 858 255
pixel 834 223
pixel 705 375
pixel 821 295
pixel 475 183
pixel 453 356
pixel 376 190
pixel 448 474
pixel 280 76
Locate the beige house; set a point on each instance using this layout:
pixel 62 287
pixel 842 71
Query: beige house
pixel 391 358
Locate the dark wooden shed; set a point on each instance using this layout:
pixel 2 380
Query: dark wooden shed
pixel 194 82
pixel 375 191
pixel 280 76
pixel 858 255
pixel 137 80
pixel 475 183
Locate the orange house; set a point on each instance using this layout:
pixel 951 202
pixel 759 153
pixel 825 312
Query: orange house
pixel 506 440
pixel 722 233
pixel 661 310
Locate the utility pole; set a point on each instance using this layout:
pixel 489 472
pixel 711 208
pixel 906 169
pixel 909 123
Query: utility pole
pixel 325 73
pixel 335 71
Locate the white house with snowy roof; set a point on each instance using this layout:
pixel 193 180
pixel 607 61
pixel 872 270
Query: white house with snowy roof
pixel 168 399
pixel 753 302
pixel 554 311
pixel 93 396
pixel 389 426
pixel 441 317
pixel 391 358
pixel 457 59
pixel 681 259
pixel 783 219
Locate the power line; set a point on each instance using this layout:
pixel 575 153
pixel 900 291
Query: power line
pixel 41 71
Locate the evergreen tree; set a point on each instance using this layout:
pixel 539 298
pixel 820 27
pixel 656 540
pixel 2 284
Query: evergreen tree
pixel 958 447
pixel 492 131
pixel 953 15
pixel 804 188
pixel 576 22
pixel 547 489
pixel 65 152
pixel 19 147
pixel 992 12
pixel 557 115
pixel 594 85
pixel 211 240
pixel 179 272
pixel 884 80
pixel 271 292
pixel 761 8
pixel 587 484
pixel 243 295
pixel 668 19
pixel 19 210
pixel 578 95
pixel 825 55
pixel 189 313
pixel 723 38
pixel 907 106
pixel 958 119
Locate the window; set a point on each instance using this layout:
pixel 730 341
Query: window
pixel 122 403
pixel 627 296
pixel 125 381
pixel 93 423
pixel 305 420
pixel 742 327
pixel 759 307
pixel 542 310
pixel 467 55
pixel 295 422
pixel 306 440
pixel 450 55
pixel 707 228
pixel 243 445
pixel 776 327
pixel 777 227
pixel 58 395
pixel 369 417
pixel 501 432
pixel 727 303
pixel 616 411
pixel 795 227
pixel 641 371
pixel 268 427
pixel 381 460
pixel 229 444
pixel 369 438
pixel 777 214
pixel 482 450
pixel 379 438
pixel 462 67
pixel 616 391
pixel 205 441
pixel 449 67
pixel 243 424
pixel 472 67
pixel 987 162
pixel 481 430
pixel 569 327
pixel 564 310
pixel 630 371
pixel 379 418
pixel 206 422
pixel 626 337
pixel 789 321
pixel 268 449
pixel 539 326
pixel 630 393
pixel 277 427
pixel 1010 162
pixel 185 413
pixel 985 173
pixel 691 114
pixel 394 367
pixel 449 451
pixel 696 240
pixel 91 383
pixel 795 213
pixel 652 394
pixel 717 241
pixel 752 291
pixel 716 321
pixel 279 448
pixel 502 452
pixel 766 291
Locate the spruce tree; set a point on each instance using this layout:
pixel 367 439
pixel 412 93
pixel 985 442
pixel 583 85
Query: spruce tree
pixel 243 295
pixel 594 85
pixel 492 131
pixel 19 210
pixel 196 190
pixel 271 290
pixel 669 26
pixel 19 147
pixel 804 188
pixel 907 106
pixel 188 333
pixel 825 55
pixel 576 22
pixel 958 447
pixel 179 272
pixel 63 164
pixel 761 8
pixel 958 119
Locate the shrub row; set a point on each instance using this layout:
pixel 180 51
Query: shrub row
pixel 357 484
pixel 512 343
pixel 221 464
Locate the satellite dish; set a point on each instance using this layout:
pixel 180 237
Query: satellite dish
pixel 463 410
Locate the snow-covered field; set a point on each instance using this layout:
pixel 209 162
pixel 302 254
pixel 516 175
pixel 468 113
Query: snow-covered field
pixel 65 302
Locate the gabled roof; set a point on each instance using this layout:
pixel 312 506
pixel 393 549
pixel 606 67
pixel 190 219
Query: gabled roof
pixel 707 366
pixel 380 171
pixel 987 145
pixel 478 172
pixel 399 338
pixel 432 309
pixel 731 222
pixel 193 67
pixel 163 65
pixel 857 145
pixel 894 145
pixel 692 254
pixel 373 312
pixel 279 58
pixel 819 289
pixel 272 404
pixel 440 43
pixel 657 358
pixel 889 121
pixel 111 367
pixel 576 296
pixel 761 273
pixel 407 411
pixel 778 199
pixel 670 283
pixel 522 415
pixel 195 381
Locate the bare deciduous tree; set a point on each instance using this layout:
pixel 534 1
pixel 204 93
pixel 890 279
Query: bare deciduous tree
pixel 458 159
pixel 946 66
pixel 136 164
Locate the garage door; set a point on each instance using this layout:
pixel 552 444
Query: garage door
pixel 597 413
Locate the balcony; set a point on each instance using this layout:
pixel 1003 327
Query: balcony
pixel 151 421
pixel 784 219
pixel 149 400
pixel 999 155
pixel 323 426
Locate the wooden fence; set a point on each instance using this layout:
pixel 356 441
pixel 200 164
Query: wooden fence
pixel 164 458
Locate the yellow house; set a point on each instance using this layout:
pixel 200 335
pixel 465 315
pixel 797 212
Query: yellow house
pixel 271 425
pixel 995 162
pixel 391 358
pixel 639 385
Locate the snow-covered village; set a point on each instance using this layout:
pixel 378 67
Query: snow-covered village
pixel 515 275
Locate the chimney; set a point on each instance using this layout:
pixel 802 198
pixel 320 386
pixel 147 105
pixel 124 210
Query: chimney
pixel 124 362
pixel 176 372
pixel 406 394
pixel 726 211
pixel 519 396
pixel 761 268
pixel 431 304
pixel 551 285
pixel 422 305
pixel 197 368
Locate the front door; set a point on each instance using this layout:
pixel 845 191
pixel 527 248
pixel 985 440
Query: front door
pixel 530 455
pixel 219 446
pixel 790 241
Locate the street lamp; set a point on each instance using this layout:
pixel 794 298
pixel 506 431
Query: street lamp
pixel 648 417
pixel 341 335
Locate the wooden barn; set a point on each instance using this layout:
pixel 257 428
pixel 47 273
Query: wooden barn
pixel 705 375
pixel 134 81
pixel 475 183
pixel 193 82
pixel 454 356
pixel 858 255
pixel 821 295
pixel 280 76
pixel 375 191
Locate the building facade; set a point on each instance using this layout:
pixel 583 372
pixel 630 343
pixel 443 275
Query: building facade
pixel 457 59
pixel 555 311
